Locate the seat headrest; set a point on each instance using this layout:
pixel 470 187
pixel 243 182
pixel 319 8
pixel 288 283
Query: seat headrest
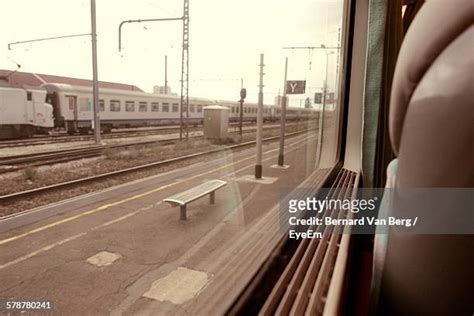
pixel 436 25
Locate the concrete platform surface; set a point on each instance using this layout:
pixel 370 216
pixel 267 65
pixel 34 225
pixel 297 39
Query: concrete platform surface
pixel 123 251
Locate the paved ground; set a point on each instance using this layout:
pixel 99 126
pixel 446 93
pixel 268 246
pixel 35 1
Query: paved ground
pixel 123 251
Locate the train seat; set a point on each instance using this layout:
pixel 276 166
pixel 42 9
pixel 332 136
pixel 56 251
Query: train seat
pixel 431 130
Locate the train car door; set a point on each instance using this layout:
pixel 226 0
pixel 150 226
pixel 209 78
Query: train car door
pixel 53 99
pixel 72 107
pixel 30 109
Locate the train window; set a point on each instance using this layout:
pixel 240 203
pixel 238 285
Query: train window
pixel 84 104
pixel 71 102
pixel 114 106
pixel 199 108
pixel 175 107
pixel 130 106
pixel 101 106
pixel 143 107
pixel 29 96
pixel 192 108
pixel 166 107
pixel 155 107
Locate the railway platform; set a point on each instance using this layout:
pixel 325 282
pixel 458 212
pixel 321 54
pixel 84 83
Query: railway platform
pixel 124 251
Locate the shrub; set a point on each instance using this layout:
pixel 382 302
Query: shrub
pixel 30 173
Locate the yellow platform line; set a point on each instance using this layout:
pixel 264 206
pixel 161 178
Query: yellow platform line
pixel 106 206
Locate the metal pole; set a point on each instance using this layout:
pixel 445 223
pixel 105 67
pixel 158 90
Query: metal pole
pixel 241 115
pixel 321 114
pixel 166 74
pixel 94 75
pixel 258 166
pixel 184 74
pixel 281 156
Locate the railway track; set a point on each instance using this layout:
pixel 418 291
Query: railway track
pixel 76 138
pixel 23 194
pixel 52 139
pixel 18 162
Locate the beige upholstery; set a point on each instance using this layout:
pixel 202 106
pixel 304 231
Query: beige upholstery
pixel 436 25
pixel 432 131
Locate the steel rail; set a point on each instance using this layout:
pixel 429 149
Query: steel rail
pixel 78 151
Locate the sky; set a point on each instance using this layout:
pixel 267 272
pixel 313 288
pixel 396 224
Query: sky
pixel 226 40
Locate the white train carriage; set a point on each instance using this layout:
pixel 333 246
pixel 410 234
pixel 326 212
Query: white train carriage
pixel 24 112
pixel 249 111
pixel 72 107
pixel 118 108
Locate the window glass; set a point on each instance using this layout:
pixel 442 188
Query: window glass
pixel 114 105
pixel 71 100
pixel 84 104
pixel 142 106
pixel 130 106
pixel 154 244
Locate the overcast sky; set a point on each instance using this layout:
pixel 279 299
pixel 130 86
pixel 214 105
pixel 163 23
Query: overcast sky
pixel 226 39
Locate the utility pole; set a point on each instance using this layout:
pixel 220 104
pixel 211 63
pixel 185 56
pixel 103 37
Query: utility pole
pixel 321 113
pixel 95 81
pixel 281 155
pixel 258 166
pixel 185 72
pixel 166 74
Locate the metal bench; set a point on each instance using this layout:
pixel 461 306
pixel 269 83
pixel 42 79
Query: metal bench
pixel 183 198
